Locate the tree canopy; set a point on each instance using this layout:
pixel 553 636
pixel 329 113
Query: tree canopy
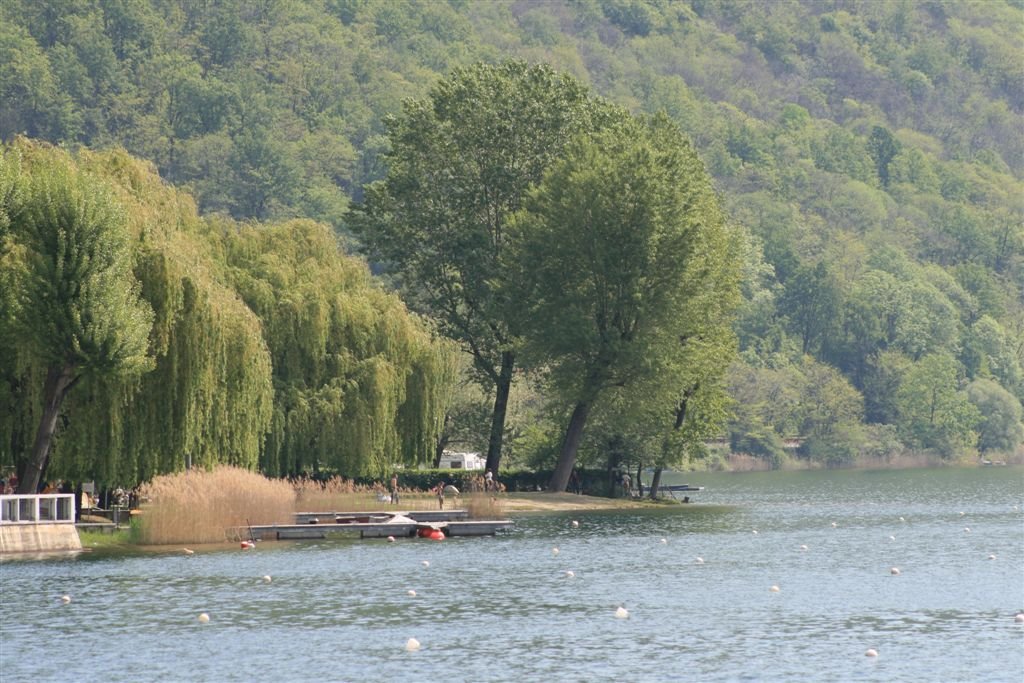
pixel 459 165
pixel 626 259
pixel 253 345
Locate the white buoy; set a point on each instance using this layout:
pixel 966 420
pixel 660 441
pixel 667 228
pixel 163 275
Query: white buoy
pixel 892 538
pixel 411 593
pixel 834 525
pixel 412 645
pixel 774 589
pixel 664 541
pixel 872 652
pixel 961 513
pixel 803 547
pixel 204 618
pixel 1019 618
pixel 902 520
pixel 754 530
pixel 266 578
pixel 575 524
pixel 895 571
pixel 189 551
pixel 425 563
pixel 554 551
pixel 991 557
pixel 699 560
pixel 621 613
pixel 391 539
pixel 570 574
pixel 65 599
pixel 967 529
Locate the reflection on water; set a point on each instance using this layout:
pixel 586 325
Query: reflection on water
pixel 503 609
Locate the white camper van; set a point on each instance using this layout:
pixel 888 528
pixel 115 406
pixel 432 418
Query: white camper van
pixel 461 461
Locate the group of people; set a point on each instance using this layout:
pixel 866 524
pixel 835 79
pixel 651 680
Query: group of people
pixel 490 484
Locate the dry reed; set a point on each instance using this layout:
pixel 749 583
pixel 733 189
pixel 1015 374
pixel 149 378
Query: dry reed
pixel 198 506
pixel 484 506
pixel 339 495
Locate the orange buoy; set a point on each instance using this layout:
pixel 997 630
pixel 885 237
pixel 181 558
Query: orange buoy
pixel 431 533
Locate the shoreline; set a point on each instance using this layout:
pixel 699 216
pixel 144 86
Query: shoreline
pixel 543 501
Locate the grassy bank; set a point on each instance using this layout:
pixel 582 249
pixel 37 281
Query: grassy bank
pixel 98 540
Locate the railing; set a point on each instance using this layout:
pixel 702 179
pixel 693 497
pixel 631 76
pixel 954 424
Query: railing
pixel 45 508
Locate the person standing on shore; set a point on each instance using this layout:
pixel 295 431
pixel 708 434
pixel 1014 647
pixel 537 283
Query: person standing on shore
pixel 440 495
pixel 488 480
pixel 394 489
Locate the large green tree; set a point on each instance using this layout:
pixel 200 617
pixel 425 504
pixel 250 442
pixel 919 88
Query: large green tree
pixel 933 411
pixel 359 383
pixel 460 163
pixel 1001 427
pixel 624 249
pixel 79 310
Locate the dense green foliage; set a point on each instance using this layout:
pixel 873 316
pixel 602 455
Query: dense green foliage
pixel 871 149
pixel 73 292
pixel 460 163
pixel 359 385
pixel 265 346
pixel 629 275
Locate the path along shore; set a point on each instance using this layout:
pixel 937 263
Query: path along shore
pixel 567 502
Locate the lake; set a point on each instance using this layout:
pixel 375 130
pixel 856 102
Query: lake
pixel 504 608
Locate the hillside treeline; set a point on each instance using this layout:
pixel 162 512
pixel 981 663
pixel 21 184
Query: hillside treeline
pixel 870 150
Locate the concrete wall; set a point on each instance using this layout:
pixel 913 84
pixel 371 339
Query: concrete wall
pixel 38 538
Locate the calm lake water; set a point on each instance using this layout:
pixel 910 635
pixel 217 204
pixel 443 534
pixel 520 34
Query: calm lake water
pixel 503 608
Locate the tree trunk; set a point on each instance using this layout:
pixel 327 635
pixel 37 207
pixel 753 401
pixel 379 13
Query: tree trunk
pixel 639 479
pixel 655 483
pixel 567 458
pixel 59 381
pixel 501 390
pixel 442 441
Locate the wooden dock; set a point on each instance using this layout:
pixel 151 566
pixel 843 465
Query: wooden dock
pixel 318 525
pixel 350 517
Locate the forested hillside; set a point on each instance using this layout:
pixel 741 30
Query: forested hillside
pixel 872 152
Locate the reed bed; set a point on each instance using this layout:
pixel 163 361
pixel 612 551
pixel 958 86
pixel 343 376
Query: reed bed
pixel 198 506
pixel 484 506
pixel 339 495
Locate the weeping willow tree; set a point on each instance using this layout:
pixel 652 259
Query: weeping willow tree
pixel 18 388
pixel 77 312
pixel 206 397
pixel 266 346
pixel 360 383
pixel 208 400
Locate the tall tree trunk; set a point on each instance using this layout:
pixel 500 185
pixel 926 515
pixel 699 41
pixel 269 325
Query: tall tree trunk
pixel 655 482
pixel 567 458
pixel 501 391
pixel 442 441
pixel 639 479
pixel 59 381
